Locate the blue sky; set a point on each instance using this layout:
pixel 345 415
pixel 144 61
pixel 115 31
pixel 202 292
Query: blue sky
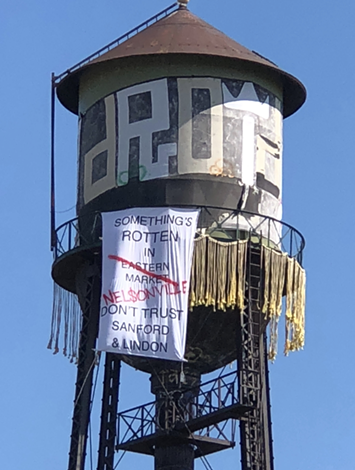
pixel 313 410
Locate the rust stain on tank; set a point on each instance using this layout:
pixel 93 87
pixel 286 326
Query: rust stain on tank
pixel 220 169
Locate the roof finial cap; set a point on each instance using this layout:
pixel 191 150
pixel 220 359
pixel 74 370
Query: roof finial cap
pixel 183 3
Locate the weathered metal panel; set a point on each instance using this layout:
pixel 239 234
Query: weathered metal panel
pixel 202 127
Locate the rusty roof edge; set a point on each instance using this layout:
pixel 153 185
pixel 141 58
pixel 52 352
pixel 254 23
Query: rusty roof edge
pixel 218 44
pixel 153 21
pixel 288 80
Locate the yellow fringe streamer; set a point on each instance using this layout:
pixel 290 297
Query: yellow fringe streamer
pixel 218 276
pixel 295 307
pixel 66 315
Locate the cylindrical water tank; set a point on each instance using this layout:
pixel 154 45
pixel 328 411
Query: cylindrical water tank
pixel 182 115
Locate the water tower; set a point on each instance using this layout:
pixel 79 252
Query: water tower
pixel 176 114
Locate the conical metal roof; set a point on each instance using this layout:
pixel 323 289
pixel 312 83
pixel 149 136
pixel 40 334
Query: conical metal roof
pixel 184 33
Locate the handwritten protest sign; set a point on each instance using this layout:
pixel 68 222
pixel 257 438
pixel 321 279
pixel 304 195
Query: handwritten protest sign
pixel 146 265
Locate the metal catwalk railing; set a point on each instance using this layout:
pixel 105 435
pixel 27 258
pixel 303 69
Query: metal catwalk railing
pixel 203 410
pixel 221 223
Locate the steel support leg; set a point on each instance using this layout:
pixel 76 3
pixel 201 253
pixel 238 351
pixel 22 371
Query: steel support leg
pixel 266 405
pixel 110 396
pixel 88 290
pixel 168 388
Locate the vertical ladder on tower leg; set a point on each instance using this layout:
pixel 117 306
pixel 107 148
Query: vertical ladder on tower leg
pixel 256 452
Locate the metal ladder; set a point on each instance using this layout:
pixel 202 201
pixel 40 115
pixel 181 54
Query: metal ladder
pixel 255 428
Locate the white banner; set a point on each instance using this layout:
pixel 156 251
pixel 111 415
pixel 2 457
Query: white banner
pixel 146 266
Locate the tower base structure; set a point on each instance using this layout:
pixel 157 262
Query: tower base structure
pixel 188 419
